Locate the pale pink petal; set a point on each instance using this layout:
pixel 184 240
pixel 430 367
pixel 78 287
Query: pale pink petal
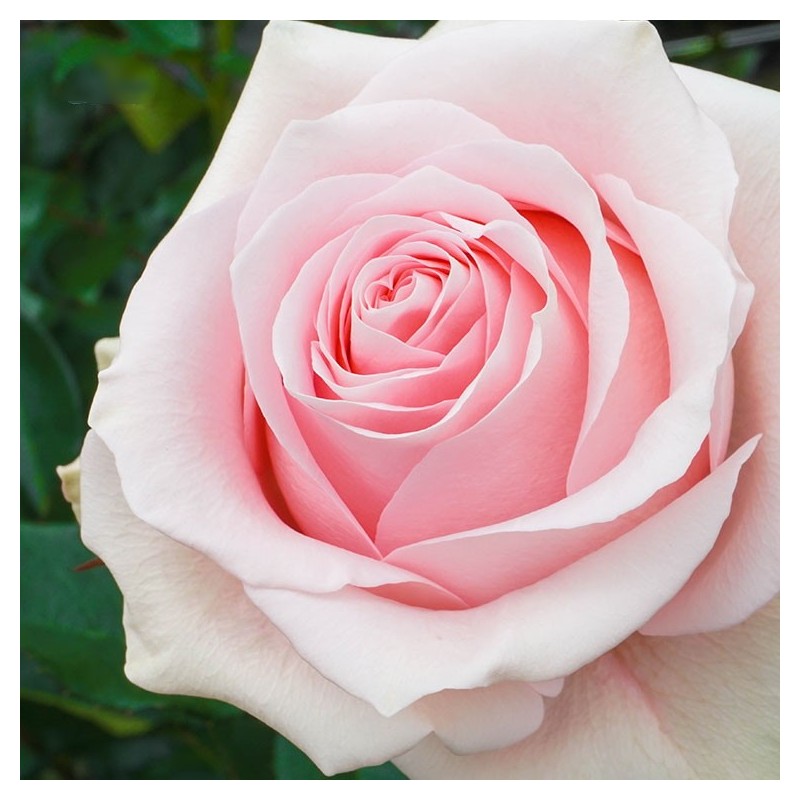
pixel 486 282
pixel 640 384
pixel 257 293
pixel 703 706
pixel 335 270
pixel 410 388
pixel 367 467
pixel 444 26
pixel 402 313
pixel 190 629
pixel 722 414
pixel 742 571
pixel 485 563
pixel 602 113
pixel 518 454
pixel 354 140
pixel 299 73
pixel 678 427
pixel 487 718
pixel 536 177
pixel 538 633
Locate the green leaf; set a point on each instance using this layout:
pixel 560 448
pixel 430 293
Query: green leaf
pixel 36 187
pixel 114 722
pixel 82 263
pixel 51 126
pixel 156 100
pixel 71 628
pixel 53 595
pixel 162 37
pixel 90 50
pixel 32 306
pixel 69 746
pixel 70 621
pixel 162 109
pixel 231 63
pixel 29 762
pixel 292 764
pixel 242 747
pixel 51 423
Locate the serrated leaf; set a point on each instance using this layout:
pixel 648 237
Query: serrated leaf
pixel 51 423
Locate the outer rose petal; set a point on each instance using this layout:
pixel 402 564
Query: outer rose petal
pixel 538 633
pixel 190 629
pixel 703 706
pixel 741 573
pixel 626 89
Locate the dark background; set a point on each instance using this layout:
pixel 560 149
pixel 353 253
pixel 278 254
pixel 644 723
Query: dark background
pixel 102 181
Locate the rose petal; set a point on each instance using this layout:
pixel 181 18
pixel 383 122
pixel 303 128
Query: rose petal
pixel 741 573
pixel 640 383
pixel 523 445
pixel 484 564
pixel 258 293
pixel 533 176
pixel 190 629
pixel 353 140
pixel 444 26
pixel 678 427
pixel 627 89
pixel 538 633
pixel 489 718
pixel 687 707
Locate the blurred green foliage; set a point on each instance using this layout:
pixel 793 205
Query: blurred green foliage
pixel 119 121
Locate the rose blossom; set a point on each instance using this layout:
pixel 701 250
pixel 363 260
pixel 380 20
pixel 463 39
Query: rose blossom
pixel 429 436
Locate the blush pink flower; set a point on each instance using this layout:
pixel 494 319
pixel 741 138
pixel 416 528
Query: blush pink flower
pixel 444 422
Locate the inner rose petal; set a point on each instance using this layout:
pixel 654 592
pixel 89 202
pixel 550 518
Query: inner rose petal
pixel 350 436
pixel 408 388
pixel 402 301
pixel 366 465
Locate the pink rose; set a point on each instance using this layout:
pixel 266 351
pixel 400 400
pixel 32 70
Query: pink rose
pixel 444 422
